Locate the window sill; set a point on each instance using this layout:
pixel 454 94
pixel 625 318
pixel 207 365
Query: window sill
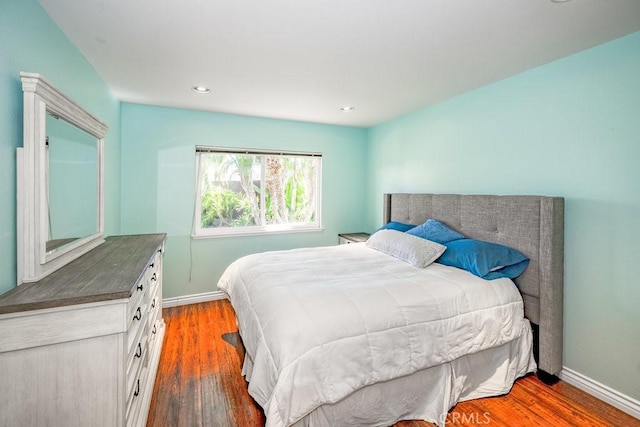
pixel 239 233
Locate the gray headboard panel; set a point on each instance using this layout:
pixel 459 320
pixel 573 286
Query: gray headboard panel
pixel 532 224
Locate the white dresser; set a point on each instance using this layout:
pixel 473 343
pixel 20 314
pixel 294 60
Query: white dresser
pixel 81 347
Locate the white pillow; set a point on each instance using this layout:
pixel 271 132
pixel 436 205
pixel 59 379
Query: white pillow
pixel 414 250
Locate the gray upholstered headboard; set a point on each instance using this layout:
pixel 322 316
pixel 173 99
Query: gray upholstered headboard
pixel 532 224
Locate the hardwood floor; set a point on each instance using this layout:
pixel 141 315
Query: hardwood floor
pixel 199 384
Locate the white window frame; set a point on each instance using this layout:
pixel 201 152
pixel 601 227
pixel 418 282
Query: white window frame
pixel 202 233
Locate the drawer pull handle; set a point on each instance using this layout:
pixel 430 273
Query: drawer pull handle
pixel 139 351
pixel 140 287
pixel 154 277
pixel 152 264
pixel 154 330
pixel 138 315
pixel 137 392
pixel 153 303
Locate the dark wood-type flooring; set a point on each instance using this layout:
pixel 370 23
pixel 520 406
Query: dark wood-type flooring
pixel 199 384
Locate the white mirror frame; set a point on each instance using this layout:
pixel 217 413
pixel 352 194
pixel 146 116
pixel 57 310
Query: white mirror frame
pixel 40 98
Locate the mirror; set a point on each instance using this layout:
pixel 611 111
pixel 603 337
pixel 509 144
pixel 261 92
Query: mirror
pixel 59 182
pixel 72 183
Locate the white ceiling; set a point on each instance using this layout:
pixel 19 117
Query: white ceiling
pixel 303 59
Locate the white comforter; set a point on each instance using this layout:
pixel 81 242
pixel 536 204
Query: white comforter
pixel 320 323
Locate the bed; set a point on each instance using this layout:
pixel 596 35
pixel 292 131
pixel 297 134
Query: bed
pixel 348 335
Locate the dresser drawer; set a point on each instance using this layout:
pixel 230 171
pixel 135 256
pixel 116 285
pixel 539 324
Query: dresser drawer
pixel 138 320
pixel 135 367
pixel 136 339
pixel 154 270
pixel 154 334
pixel 155 304
pixel 134 399
pixel 136 303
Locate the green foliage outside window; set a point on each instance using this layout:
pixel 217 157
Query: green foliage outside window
pixel 240 190
pixel 222 207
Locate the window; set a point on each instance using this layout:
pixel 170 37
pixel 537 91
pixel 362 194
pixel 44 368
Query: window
pixel 255 191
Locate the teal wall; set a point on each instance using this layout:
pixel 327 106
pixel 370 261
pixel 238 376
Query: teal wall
pixel 30 41
pixel 570 128
pixel 158 185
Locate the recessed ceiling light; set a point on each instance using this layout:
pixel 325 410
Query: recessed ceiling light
pixel 347 108
pixel 559 1
pixel 200 89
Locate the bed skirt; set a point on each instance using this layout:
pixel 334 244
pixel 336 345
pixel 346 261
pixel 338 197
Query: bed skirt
pixel 430 393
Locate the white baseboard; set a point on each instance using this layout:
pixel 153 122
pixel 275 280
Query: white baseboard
pixel 193 299
pixel 614 398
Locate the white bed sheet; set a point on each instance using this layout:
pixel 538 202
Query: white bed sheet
pixel 319 324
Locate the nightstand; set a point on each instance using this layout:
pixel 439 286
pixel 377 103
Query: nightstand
pixel 347 238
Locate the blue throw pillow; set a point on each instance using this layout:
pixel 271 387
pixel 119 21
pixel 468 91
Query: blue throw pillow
pixel 436 231
pixel 395 225
pixel 484 259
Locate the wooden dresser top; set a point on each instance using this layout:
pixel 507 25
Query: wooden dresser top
pixel 107 272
